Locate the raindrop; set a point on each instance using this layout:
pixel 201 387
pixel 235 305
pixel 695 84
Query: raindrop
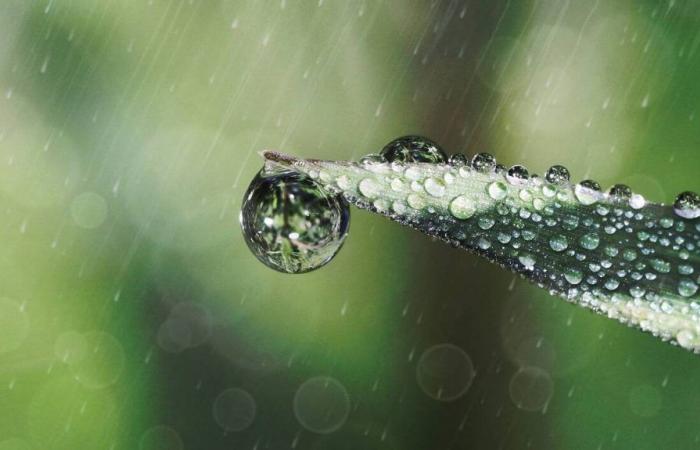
pixel 291 224
pixel 435 187
pixel 413 149
pixel 687 288
pixel 590 241
pixel 587 192
pixel 558 175
pixel 483 162
pixel 372 158
pixel 462 207
pixel 620 193
pixel 687 205
pixel 573 276
pixel 497 190
pixel 369 188
pixel 458 160
pixel 517 174
pixel 559 243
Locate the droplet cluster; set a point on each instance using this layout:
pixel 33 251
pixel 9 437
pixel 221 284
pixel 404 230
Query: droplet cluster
pixel 612 251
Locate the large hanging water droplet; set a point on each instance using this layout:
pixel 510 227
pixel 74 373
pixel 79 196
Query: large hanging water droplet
pixel 558 175
pixel 483 162
pixel 291 223
pixel 587 192
pixel 687 205
pixel 412 149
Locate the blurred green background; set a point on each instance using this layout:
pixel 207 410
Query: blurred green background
pixel 132 315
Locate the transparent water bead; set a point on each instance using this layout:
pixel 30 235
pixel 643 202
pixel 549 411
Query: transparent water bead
pixel 687 205
pixel 620 193
pixel 291 224
pixel 412 149
pixel 558 175
pixel 458 160
pixel 483 162
pixel 517 174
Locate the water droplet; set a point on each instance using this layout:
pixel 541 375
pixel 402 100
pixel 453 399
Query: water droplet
pixel 687 288
pixel 660 265
pixel 517 174
pixel 573 276
pixel 415 201
pixel 590 241
pixel 413 149
pixel 687 205
pixel 458 160
pixel 435 187
pixel 587 192
pixel 483 162
pixel 291 223
pixel 527 260
pixel 462 207
pixel 559 243
pixel 620 193
pixel 369 188
pixel 558 175
pixel 372 158
pixel 497 190
pixel 637 201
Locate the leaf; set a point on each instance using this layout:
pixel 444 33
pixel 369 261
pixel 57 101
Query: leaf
pixel 633 261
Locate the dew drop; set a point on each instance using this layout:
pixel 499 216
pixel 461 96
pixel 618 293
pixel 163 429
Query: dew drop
pixel 415 201
pixel 483 162
pixel 527 260
pixel 587 192
pixel 620 193
pixel 637 201
pixel 497 190
pixel 559 243
pixel 687 205
pixel 435 187
pixel 462 207
pixel 458 160
pixel 517 174
pixel 369 188
pixel 573 276
pixel 372 158
pixel 412 149
pixel 291 224
pixel 590 241
pixel 687 288
pixel 558 175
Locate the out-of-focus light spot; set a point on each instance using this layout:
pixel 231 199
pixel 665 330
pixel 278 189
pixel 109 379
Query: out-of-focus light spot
pixel 645 400
pixel 161 437
pixel 531 388
pixel 88 210
pixel 103 364
pixel 71 347
pixel 445 372
pixel 14 325
pixel 234 409
pixel 322 404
